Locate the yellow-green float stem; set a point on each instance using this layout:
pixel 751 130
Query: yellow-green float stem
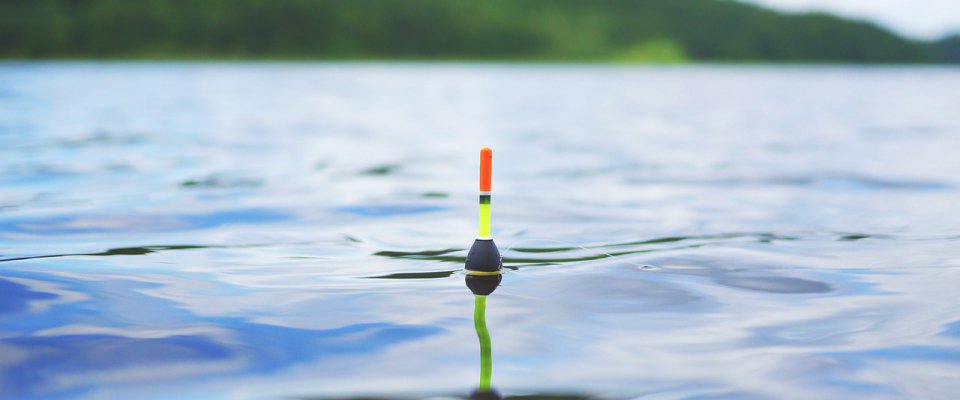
pixel 484 232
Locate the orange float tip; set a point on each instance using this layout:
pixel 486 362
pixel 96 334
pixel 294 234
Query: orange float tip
pixel 486 168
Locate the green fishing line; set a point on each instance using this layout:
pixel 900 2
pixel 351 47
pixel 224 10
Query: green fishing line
pixel 480 322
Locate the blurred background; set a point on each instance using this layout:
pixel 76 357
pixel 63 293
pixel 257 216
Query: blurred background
pixel 694 199
pixel 538 30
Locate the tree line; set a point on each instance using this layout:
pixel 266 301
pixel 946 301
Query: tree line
pixel 527 30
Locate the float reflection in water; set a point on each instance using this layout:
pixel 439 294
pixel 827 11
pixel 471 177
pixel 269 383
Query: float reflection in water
pixel 483 284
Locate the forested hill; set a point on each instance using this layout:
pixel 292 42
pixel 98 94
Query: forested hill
pixel 536 30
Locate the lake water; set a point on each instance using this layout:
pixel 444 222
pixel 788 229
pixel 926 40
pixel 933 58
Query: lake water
pixel 272 230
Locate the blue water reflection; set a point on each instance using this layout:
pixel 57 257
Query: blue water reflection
pixel 16 297
pixel 296 230
pixel 47 358
pixel 72 225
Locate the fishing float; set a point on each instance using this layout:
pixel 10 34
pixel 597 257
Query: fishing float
pixel 484 264
pixel 483 269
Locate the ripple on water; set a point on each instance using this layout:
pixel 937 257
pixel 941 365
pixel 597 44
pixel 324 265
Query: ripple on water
pixel 70 353
pixel 742 274
pixel 386 210
pixel 381 170
pixel 836 329
pixel 824 181
pixel 16 297
pixel 221 182
pixel 71 225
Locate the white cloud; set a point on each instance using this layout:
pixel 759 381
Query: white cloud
pixel 923 19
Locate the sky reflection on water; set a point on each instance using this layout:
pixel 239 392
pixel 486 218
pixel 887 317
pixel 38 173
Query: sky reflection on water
pixel 272 230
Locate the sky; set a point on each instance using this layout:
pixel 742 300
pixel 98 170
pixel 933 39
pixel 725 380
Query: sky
pixel 921 19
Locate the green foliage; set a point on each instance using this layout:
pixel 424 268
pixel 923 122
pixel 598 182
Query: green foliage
pixel 660 51
pixel 568 30
pixel 948 49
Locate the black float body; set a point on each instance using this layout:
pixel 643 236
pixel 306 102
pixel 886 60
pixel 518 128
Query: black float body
pixel 483 257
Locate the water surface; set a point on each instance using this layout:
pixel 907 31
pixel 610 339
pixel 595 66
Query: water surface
pixel 260 230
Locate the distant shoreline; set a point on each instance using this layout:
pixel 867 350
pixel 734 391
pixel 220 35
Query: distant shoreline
pixel 456 61
pixel 531 31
